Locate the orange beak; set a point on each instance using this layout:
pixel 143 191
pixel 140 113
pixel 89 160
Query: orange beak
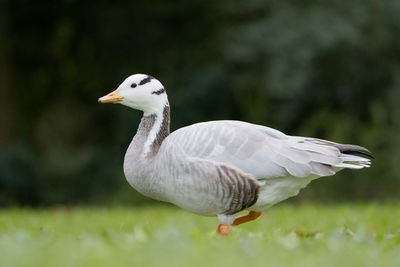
pixel 112 97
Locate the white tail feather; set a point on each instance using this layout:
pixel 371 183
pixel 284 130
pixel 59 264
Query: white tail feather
pixel 353 162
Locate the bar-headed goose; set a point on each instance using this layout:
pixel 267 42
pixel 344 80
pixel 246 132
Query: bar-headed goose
pixel 219 168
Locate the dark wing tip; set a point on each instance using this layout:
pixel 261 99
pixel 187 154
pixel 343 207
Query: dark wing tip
pixel 347 148
pixel 355 150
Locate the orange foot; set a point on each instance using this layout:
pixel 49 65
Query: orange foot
pixel 224 230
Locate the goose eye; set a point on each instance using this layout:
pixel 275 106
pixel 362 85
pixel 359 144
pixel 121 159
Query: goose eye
pixel 133 85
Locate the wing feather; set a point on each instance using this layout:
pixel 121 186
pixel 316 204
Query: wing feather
pixel 261 151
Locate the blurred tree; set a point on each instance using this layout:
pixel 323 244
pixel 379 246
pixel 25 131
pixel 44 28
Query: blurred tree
pixel 6 117
pixel 325 70
pixel 328 70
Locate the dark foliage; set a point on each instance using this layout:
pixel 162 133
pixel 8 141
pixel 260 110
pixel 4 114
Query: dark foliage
pixel 315 68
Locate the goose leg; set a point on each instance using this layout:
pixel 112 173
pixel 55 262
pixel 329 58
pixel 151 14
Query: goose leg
pixel 246 218
pixel 225 229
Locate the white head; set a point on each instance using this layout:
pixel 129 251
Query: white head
pixel 139 91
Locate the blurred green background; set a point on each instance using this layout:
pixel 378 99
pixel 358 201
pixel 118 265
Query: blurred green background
pixel 327 69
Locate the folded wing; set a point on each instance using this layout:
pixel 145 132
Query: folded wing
pixel 265 152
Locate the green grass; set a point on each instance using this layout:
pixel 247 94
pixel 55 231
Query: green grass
pixel 304 235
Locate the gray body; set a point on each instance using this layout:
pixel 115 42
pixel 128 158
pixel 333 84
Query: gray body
pixel 219 168
pixel 223 167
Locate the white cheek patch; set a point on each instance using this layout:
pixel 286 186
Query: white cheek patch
pixel 155 104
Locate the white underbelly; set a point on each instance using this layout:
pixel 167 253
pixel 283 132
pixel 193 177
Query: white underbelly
pixel 278 189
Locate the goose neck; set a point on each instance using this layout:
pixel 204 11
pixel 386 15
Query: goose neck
pixel 152 131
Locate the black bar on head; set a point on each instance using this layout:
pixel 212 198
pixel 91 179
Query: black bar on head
pixel 145 80
pixel 159 92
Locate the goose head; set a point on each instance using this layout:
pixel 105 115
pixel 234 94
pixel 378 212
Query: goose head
pixel 141 92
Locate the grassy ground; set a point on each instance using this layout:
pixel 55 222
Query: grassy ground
pixel 305 235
